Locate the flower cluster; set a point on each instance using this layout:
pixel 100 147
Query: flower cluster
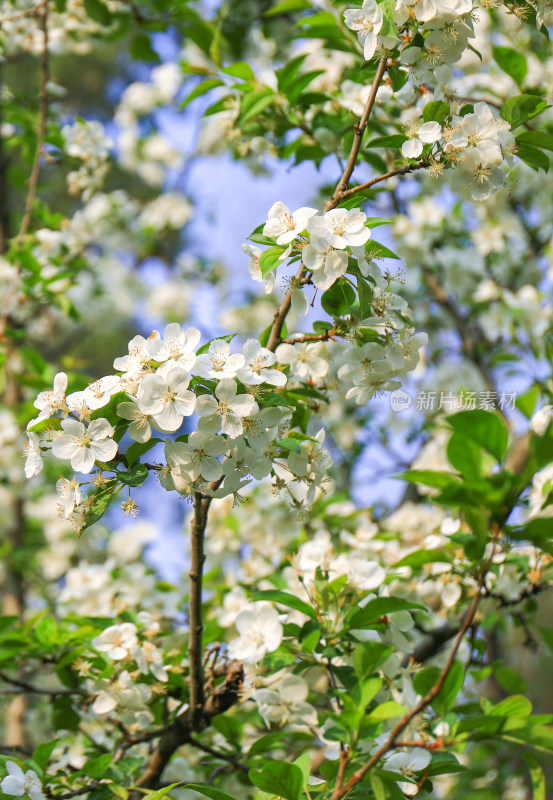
pixel 162 382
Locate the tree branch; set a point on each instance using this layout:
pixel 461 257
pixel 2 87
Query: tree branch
pixel 41 11
pixel 399 171
pixel 27 687
pixel 195 650
pixel 358 137
pixel 357 776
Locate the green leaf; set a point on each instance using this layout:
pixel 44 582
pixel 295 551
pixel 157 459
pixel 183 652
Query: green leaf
pixel 159 793
pixel 240 69
pixel 46 632
pixel 464 455
pixel 280 778
pixel 42 753
pixel 141 48
pixel 510 680
pixel 365 294
pixel 255 103
pixel 398 78
pixel 270 258
pixel 380 607
pixel 393 140
pixel 537 776
pixel 514 706
pixel 526 402
pixel 286 6
pixel 425 680
pixel 436 110
pixel 134 451
pixel 201 89
pixel 97 11
pixel 421 557
pixel 96 767
pixel 513 62
pixel 536 139
pixel 338 300
pixel 484 427
pixel 304 763
pixel 285 599
pixel 438 480
pixel 533 157
pixel 387 710
pixel 208 791
pixel 135 476
pixel 368 656
pixel 519 109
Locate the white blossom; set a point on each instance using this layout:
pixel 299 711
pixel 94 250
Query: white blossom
pixel 260 632
pixel 284 226
pixel 83 446
pixel 20 783
pixel 366 22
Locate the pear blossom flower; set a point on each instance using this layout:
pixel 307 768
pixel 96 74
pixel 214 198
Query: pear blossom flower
pixel 164 395
pixel 339 228
pixel 228 406
pixel 418 136
pixel 304 360
pixel 284 226
pixel 20 783
pixel 33 455
pixel 327 265
pixel 116 641
pixel 177 346
pixel 366 22
pixel 140 429
pixel 95 396
pixel 199 455
pixel 287 704
pixel 124 691
pixel 254 267
pixel 218 363
pixel 136 363
pixel 412 760
pixel 83 446
pixel 260 633
pixel 258 368
pixel 70 495
pixel 541 419
pixel 149 659
pixel 52 400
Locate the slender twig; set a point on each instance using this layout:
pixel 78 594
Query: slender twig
pixel 359 774
pixel 195 652
pixel 42 12
pixel 29 12
pixel 217 754
pixel 392 174
pixel 282 312
pixel 310 337
pixel 27 687
pixel 358 137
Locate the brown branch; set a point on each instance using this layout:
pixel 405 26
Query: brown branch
pixel 282 311
pixel 359 774
pixel 399 171
pixel 311 337
pixel 360 128
pixel 195 623
pixel 224 696
pixel 29 12
pixel 41 12
pixel 27 687
pixel 216 754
